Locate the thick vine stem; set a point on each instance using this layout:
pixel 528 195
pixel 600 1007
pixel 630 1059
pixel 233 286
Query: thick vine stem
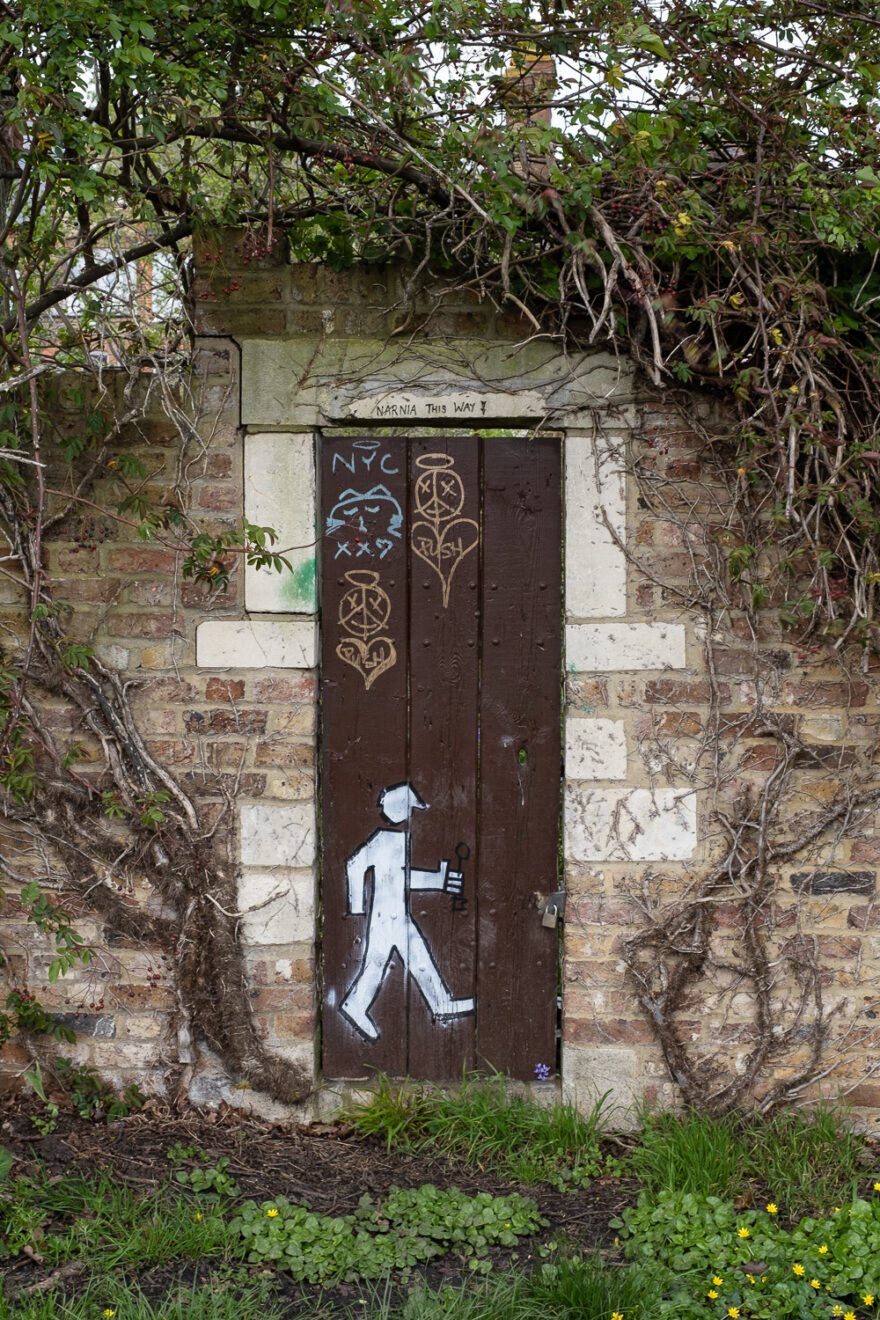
pixel 101 862
pixel 723 935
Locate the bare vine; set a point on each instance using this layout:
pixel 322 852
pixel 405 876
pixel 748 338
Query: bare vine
pixel 729 931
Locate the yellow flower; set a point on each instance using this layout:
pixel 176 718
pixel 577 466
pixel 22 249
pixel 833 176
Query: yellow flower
pixel 772 1208
pixel 272 1213
pixel 682 224
pixel 877 1187
pixel 814 1283
pixel 717 1280
pixel 823 1250
pixel 837 1209
pixel 107 1313
pixel 736 300
pixel 751 1278
pixel 837 1310
pixel 712 1293
pixel 733 1312
pixel 868 1299
pixel 850 1315
pixel 798 1269
pixel 776 334
pixel 743 1233
pixel 198 1214
pixel 616 1315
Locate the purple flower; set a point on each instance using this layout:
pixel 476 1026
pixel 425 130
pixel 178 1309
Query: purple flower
pixel 542 1071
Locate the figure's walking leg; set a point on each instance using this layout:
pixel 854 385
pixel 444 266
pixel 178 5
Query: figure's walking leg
pixel 424 970
pixel 366 986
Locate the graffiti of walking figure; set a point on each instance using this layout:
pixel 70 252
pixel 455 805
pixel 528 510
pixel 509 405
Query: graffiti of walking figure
pixel 391 927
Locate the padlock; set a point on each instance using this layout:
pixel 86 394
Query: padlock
pixel 551 916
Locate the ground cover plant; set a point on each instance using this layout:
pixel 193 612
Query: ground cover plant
pixel 708 1259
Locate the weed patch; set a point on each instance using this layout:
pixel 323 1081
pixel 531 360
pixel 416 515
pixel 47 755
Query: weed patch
pixel 806 1162
pixel 106 1223
pixel 485 1125
pixel 113 1299
pixel 574 1288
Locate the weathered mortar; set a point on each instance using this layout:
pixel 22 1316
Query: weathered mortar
pixel 227 694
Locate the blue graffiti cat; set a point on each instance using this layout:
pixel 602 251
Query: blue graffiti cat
pixel 370 521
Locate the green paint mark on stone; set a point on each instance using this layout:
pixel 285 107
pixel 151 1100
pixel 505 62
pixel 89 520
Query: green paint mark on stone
pixel 299 587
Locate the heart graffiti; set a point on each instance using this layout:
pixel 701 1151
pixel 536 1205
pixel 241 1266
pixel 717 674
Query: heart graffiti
pixel 441 537
pixel 363 611
pixel 444 548
pixel 370 658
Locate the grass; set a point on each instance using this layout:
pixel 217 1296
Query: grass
pixel 572 1289
pixel 804 1162
pixel 104 1222
pixel 235 1299
pixel 486 1126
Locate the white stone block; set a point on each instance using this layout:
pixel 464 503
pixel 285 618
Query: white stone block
pixel 595 749
pixel 637 824
pixel 595 565
pixel 256 644
pixel 117 657
pixel 279 492
pixel 594 648
pixel 588 1074
pixel 278 906
pixel 276 835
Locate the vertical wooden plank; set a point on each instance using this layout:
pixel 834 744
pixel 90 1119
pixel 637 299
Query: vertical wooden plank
pixel 444 678
pixel 520 753
pixel 364 660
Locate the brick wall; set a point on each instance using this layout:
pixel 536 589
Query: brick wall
pixel 226 683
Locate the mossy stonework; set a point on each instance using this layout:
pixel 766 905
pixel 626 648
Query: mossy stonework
pixel 720 942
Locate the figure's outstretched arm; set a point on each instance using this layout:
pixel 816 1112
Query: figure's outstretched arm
pixel 429 879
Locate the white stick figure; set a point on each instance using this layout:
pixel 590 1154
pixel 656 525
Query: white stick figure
pixel 391 927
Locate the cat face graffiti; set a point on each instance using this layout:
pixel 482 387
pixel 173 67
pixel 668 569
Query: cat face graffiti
pixel 365 523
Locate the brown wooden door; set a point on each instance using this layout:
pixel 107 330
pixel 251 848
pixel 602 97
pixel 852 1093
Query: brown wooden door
pixel 440 690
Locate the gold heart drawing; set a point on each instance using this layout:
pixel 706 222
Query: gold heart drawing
pixel 370 658
pixel 445 548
